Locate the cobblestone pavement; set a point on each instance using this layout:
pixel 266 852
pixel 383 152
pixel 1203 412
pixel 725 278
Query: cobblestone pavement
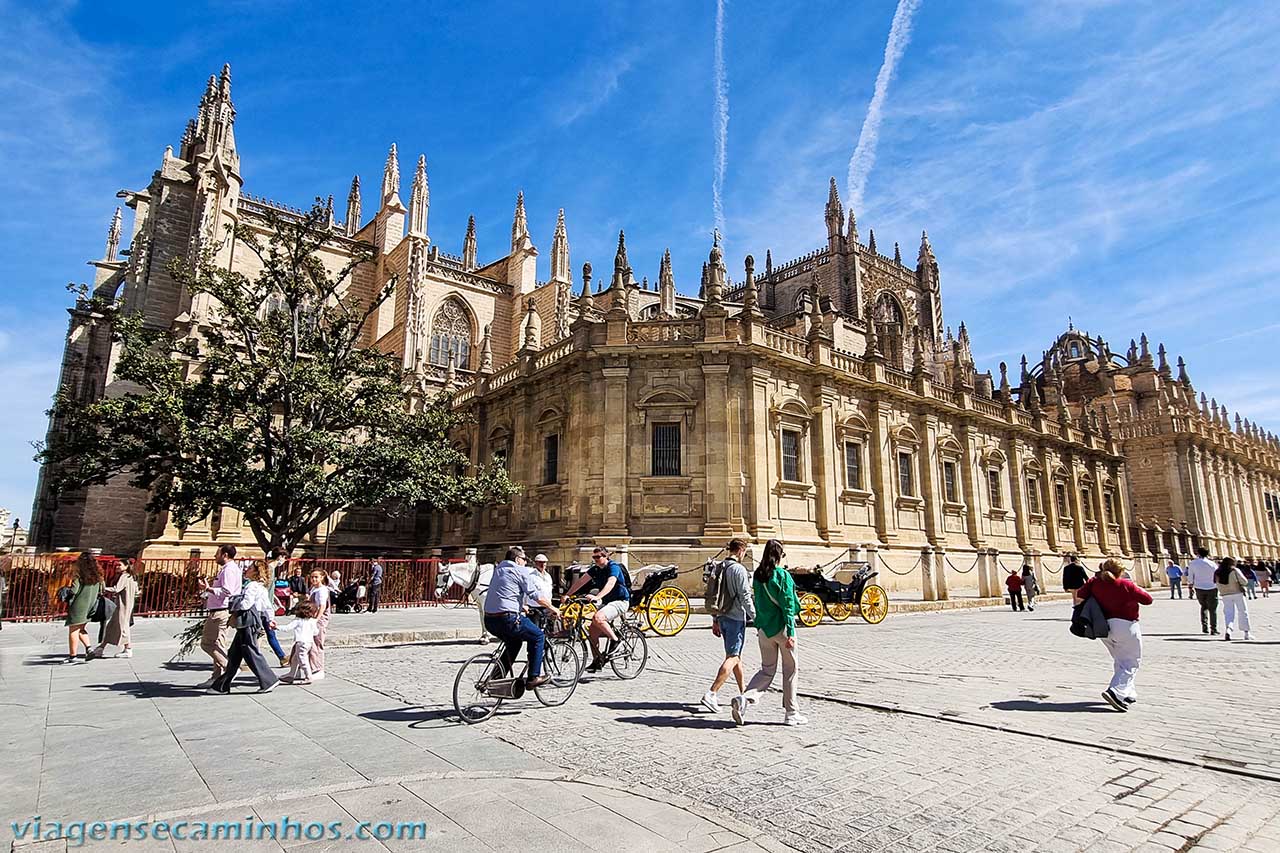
pixel 988 752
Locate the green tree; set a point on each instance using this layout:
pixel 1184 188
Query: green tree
pixel 275 408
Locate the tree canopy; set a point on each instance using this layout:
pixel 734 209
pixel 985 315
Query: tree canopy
pixel 275 405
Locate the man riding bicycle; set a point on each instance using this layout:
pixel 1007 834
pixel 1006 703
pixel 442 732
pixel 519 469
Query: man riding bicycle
pixel 613 600
pixel 510 587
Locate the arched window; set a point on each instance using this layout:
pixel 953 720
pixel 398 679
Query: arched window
pixel 451 335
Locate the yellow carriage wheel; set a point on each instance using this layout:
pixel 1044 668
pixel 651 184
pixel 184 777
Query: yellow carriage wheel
pixel 839 610
pixel 874 604
pixel 810 610
pixel 668 611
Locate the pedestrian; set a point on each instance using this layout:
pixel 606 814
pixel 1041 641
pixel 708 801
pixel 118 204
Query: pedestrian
pixel 81 602
pixel 1251 579
pixel 125 590
pixel 304 630
pixel 375 583
pixel 1073 577
pixel 218 633
pixel 5 563
pixel 1174 573
pixel 1264 579
pixel 1231 588
pixel 1119 599
pixel 319 595
pixel 252 612
pixel 776 610
pixel 729 622
pixel 297 585
pixel 1200 577
pixel 1030 585
pixel 1014 584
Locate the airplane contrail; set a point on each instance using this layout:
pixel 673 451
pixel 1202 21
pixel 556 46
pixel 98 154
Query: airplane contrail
pixel 720 121
pixel 864 156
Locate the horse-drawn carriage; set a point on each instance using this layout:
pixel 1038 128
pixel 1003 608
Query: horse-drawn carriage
pixel 821 593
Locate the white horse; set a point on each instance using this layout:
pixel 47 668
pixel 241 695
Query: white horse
pixel 473 581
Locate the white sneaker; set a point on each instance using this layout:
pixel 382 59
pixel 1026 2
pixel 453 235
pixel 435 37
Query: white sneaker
pixel 795 720
pixel 71 660
pixel 206 684
pixel 127 653
pixel 1248 636
pixel 711 702
pixel 738 707
pixel 317 676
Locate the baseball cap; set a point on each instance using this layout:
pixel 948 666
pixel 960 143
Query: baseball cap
pixel 541 558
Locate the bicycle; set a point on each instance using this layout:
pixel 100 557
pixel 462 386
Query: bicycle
pixel 482 685
pixel 627 655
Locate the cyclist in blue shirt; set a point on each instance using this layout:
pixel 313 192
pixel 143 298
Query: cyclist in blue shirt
pixel 612 596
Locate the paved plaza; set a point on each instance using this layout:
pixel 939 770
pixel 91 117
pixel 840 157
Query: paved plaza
pixel 955 731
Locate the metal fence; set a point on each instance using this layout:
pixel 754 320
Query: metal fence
pixel 169 587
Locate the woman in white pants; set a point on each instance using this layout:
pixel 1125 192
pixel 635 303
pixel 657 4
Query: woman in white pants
pixel 1119 599
pixel 776 610
pixel 1231 588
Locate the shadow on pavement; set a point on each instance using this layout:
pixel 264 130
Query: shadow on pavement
pixel 415 716
pixel 187 665
pixel 154 689
pixel 649 706
pixel 681 722
pixel 1025 705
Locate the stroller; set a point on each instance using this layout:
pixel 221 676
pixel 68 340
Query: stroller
pixel 347 600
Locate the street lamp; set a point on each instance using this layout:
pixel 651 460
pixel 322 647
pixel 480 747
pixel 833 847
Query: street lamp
pixel 13 539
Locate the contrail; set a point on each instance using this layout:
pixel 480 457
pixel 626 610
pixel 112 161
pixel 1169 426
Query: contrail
pixel 864 156
pixel 720 121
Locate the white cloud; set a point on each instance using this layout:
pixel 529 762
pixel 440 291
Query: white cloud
pixel 594 84
pixel 720 120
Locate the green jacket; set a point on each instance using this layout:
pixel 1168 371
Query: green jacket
pixel 776 604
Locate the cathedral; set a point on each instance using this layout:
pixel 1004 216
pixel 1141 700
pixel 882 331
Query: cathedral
pixel 821 400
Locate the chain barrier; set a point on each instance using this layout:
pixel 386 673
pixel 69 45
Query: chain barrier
pixel 1056 571
pixel 961 571
pixel 892 570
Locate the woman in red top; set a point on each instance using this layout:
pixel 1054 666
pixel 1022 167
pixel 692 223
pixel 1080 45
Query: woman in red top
pixel 1119 599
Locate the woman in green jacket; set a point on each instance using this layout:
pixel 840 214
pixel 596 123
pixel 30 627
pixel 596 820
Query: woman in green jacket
pixel 85 590
pixel 776 610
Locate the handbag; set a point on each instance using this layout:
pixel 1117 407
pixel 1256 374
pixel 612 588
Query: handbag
pixel 98 613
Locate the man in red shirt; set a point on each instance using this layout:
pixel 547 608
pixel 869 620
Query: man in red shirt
pixel 1014 583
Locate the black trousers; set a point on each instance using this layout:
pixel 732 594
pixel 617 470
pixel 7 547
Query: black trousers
pixel 375 592
pixel 244 649
pixel 1015 599
pixel 1208 599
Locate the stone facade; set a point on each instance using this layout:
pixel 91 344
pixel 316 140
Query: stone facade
pixel 821 401
pixel 1196 476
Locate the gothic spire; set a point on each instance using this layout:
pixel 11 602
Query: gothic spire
pixel 852 233
pixel 532 328
pixel 520 226
pixel 871 240
pixel 391 177
pixel 419 200
pixel 666 287
pixel 486 349
pixel 560 252
pixel 768 263
pixel 750 296
pixel 113 237
pixel 834 212
pixel 621 269
pixel 353 207
pixel 716 273
pixel 1182 373
pixel 1165 370
pixel 469 245
pixel 1025 376
pixel 897 254
pixel 1004 382
pixel 926 250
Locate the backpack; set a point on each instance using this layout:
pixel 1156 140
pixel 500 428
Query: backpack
pixel 626 575
pixel 720 594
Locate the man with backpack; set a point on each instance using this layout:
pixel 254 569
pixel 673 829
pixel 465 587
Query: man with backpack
pixel 612 598
pixel 732 609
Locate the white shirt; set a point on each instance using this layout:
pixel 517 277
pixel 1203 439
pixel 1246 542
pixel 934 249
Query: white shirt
pixel 319 595
pixel 542 587
pixel 304 631
pixel 256 597
pixel 1200 573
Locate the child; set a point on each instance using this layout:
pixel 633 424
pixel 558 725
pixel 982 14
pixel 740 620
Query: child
pixel 1030 585
pixel 1014 583
pixel 305 629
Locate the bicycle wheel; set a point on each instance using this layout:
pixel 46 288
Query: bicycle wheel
pixel 470 699
pixel 632 652
pixel 563 664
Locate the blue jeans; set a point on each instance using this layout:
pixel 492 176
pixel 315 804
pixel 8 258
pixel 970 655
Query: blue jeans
pixel 1175 585
pixel 271 638
pixel 514 629
pixel 734 633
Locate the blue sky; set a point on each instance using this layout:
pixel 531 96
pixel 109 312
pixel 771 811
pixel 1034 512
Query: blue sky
pixel 1110 161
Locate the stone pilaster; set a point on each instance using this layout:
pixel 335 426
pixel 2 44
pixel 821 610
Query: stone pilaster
pixel 762 526
pixel 716 443
pixel 825 457
pixel 617 412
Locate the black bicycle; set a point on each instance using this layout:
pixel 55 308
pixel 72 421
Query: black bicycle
pixel 627 655
pixel 483 684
